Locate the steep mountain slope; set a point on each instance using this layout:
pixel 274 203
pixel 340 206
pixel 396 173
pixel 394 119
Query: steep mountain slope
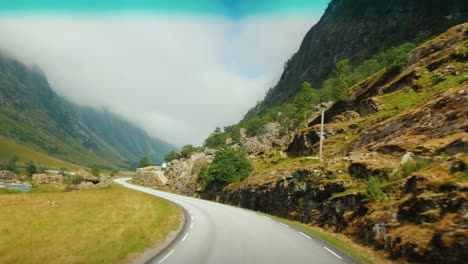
pixel 356 30
pixel 32 114
pixel 394 173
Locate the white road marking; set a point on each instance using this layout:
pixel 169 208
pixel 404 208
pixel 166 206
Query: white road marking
pixel 305 235
pixel 191 225
pixel 186 235
pixel 191 217
pixel 161 261
pixel 283 224
pixel 266 217
pixel 336 255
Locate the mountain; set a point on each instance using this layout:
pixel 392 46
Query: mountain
pixel 34 116
pixel 394 173
pixel 357 30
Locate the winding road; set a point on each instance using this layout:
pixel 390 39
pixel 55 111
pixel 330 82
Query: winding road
pixel 221 234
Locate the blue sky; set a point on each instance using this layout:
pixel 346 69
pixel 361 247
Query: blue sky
pixel 236 9
pixel 178 69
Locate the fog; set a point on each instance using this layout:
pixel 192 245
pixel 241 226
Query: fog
pixel 176 77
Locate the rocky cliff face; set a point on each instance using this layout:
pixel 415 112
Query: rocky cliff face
pixel 394 174
pixel 355 30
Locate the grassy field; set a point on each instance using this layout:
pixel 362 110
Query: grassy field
pixel 109 225
pixel 9 148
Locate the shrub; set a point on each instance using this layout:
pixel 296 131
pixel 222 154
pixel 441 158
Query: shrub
pixel 76 180
pixel 95 171
pixel 373 190
pixel 171 156
pixel 229 165
pixel 31 168
pixel 216 139
pixel 412 166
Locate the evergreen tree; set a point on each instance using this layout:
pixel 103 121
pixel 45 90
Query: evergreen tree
pixel 144 162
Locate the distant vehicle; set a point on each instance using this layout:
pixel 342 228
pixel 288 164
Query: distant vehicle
pixel 163 166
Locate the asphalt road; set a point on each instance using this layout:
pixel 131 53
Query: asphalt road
pixel 220 234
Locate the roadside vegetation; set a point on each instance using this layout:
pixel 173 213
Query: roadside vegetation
pixel 229 165
pixel 300 107
pixel 108 225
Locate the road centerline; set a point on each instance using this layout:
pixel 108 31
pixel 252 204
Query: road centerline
pixel 336 255
pixel 305 235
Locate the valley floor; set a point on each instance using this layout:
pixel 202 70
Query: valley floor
pixel 109 225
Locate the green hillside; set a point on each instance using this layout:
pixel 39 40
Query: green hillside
pixel 33 115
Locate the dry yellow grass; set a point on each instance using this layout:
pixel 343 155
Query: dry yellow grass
pixel 93 226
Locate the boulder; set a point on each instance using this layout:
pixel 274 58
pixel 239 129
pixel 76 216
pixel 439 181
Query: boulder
pixel 6 175
pixel 103 182
pixel 42 178
pixel 86 176
pixel 149 177
pixel 407 158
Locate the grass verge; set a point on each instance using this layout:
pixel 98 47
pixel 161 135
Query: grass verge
pixel 110 225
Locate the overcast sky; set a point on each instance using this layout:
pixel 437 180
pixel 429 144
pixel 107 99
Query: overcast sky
pixel 176 70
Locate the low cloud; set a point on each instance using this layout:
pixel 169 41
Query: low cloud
pixel 176 77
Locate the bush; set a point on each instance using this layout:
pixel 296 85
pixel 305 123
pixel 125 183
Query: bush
pixel 229 165
pixel 412 166
pixel 114 171
pixel 217 139
pixel 76 180
pixel 171 156
pixel 95 171
pixel 31 168
pixel 373 190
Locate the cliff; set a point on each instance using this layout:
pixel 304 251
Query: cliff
pixel 394 174
pixel 356 30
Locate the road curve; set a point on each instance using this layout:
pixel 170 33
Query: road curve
pixel 221 234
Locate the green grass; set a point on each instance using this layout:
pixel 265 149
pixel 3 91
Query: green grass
pixel 109 225
pixel 8 191
pixel 10 148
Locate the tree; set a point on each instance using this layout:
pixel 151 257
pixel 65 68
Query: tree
pixel 216 139
pixel 304 101
pixel 171 156
pixel 144 162
pixel 229 165
pixel 114 171
pixel 187 150
pixel 31 168
pixel 11 164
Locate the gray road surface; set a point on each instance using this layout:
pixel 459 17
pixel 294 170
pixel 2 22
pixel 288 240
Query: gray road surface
pixel 220 234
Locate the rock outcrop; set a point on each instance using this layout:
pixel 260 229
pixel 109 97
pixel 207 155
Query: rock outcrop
pixel 269 137
pixel 8 176
pixel 394 174
pixel 182 174
pixel 40 179
pixel 149 176
pixel 86 176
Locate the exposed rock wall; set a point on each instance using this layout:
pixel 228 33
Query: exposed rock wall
pixel 148 176
pixel 182 174
pixel 355 30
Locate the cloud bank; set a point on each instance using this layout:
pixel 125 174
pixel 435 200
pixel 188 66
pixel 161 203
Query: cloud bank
pixel 176 77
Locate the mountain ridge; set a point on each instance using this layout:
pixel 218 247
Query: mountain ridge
pixel 34 115
pixel 356 30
